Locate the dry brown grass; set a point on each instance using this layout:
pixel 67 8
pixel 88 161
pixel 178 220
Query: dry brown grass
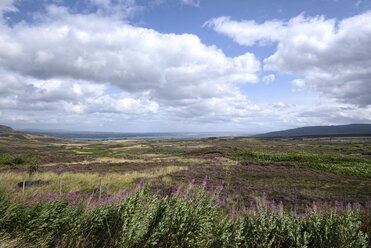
pixel 76 182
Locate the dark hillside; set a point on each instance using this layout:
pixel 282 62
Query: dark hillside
pixel 318 131
pixel 6 129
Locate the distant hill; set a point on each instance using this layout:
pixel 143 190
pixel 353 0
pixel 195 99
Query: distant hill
pixel 322 131
pixel 6 129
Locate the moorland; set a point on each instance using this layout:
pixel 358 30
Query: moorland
pixel 293 173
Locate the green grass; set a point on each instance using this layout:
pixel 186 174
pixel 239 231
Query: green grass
pixel 325 161
pixel 7 159
pixel 143 219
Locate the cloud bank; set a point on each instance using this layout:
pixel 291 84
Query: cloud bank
pixel 69 62
pixel 87 68
pixel 330 57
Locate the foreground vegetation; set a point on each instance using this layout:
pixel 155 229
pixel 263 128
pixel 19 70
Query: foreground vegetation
pixel 143 219
pixel 63 193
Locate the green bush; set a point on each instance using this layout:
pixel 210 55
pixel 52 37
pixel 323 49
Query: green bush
pixel 7 159
pixel 143 219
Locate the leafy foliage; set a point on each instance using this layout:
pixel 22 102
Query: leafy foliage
pixel 13 159
pixel 143 219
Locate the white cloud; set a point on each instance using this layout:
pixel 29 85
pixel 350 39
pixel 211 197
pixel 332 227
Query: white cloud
pixel 7 6
pixel 121 8
pixel 300 83
pixel 194 3
pixel 72 96
pixel 332 57
pixel 247 32
pixel 104 50
pixel 269 78
pixel 86 70
pixel 66 62
pixel 81 104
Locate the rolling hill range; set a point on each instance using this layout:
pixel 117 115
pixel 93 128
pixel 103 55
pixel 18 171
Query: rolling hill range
pixel 318 131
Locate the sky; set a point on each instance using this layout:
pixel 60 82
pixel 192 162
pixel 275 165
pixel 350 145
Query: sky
pixel 184 65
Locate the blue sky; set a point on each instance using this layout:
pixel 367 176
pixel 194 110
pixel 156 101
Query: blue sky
pixel 184 65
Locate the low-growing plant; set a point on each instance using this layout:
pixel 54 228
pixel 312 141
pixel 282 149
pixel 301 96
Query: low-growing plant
pixel 12 160
pixel 331 162
pixel 143 219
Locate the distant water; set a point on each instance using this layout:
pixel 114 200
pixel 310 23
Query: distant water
pixel 114 135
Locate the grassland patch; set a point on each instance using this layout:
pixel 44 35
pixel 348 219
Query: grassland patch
pixel 112 182
pixel 330 162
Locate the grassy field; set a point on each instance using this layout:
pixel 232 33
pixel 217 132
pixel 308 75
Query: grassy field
pixel 294 172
